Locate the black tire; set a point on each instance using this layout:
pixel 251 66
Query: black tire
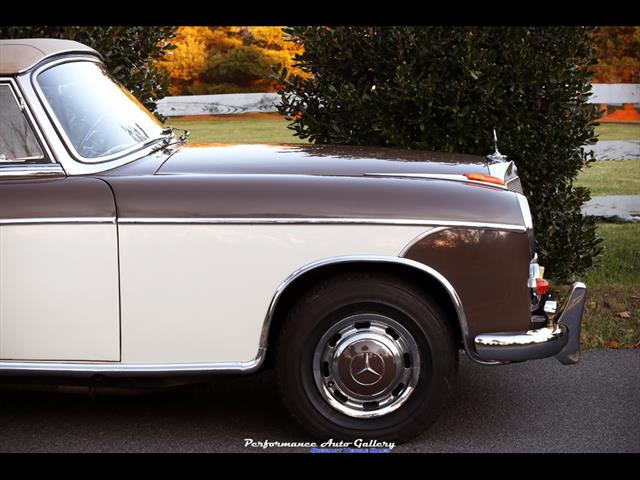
pixel 340 297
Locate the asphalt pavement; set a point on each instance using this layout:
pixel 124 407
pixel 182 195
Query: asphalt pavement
pixel 616 149
pixel 622 207
pixel 538 406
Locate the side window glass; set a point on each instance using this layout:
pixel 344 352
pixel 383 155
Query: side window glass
pixel 18 143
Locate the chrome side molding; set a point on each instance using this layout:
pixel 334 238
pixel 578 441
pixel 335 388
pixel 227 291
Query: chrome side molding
pixel 62 220
pixel 321 221
pixel 87 369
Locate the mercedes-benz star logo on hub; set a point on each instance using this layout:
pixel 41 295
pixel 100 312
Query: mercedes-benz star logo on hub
pixel 366 368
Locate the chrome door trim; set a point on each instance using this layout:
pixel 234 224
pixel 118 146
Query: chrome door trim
pixel 64 220
pixel 320 220
pixel 31 170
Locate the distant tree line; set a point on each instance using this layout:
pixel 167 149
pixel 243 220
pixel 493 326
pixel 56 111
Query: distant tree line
pixel 233 59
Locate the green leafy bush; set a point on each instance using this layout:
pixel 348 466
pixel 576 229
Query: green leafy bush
pixel 201 88
pixel 241 66
pixel 130 53
pixel 445 88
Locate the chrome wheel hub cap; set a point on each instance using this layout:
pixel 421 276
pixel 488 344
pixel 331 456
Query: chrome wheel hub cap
pixel 366 365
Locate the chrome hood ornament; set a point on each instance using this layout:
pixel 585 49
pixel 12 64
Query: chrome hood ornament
pixel 496 156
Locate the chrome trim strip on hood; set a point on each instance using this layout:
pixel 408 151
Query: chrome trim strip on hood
pixel 438 176
pixel 320 221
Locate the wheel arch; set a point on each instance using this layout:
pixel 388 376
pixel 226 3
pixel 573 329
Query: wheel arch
pixel 425 277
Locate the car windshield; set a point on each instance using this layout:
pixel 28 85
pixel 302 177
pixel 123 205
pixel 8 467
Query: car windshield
pixel 97 115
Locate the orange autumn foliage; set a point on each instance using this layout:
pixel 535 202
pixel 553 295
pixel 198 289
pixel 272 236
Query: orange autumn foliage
pixel 228 59
pixel 618 52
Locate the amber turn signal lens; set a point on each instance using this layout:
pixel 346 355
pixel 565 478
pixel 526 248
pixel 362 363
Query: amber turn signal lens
pixel 542 286
pixel 479 177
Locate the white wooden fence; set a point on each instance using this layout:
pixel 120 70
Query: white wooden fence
pixel 615 93
pixel 218 104
pixel 266 102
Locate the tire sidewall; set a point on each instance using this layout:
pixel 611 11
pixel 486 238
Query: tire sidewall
pixel 394 299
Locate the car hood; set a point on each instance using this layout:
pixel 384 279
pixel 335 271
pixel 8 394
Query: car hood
pixel 320 160
pixel 319 182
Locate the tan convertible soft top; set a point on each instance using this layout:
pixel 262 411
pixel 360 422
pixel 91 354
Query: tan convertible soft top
pixel 18 55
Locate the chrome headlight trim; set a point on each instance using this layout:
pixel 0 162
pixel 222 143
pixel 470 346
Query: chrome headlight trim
pixel 525 210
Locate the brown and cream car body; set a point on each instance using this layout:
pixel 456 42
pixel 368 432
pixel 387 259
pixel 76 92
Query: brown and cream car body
pixel 154 256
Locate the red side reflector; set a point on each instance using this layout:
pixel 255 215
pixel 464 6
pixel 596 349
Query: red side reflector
pixel 542 286
pixel 479 177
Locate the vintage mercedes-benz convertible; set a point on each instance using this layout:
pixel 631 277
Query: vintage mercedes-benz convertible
pixel 357 273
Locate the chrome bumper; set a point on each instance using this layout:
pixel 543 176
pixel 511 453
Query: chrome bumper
pixel 562 339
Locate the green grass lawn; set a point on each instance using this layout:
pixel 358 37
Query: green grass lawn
pixel 247 128
pixel 611 177
pixel 618 131
pixel 271 128
pixel 613 289
pixel 619 262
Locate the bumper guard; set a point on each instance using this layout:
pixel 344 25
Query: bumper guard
pixel 561 339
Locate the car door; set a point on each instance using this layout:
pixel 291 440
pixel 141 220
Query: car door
pixel 59 290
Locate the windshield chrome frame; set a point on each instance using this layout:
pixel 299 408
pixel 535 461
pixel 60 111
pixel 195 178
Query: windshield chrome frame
pixel 87 165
